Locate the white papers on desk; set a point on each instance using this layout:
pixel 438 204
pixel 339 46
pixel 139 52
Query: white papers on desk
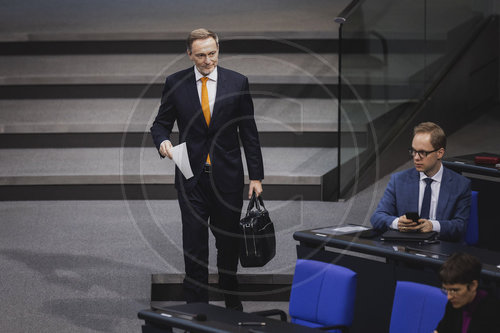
pixel 181 159
pixel 341 230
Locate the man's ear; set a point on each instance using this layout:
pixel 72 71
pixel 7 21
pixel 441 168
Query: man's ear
pixel 473 285
pixel 440 153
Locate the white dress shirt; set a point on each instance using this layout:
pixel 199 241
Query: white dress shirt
pixel 435 188
pixel 211 86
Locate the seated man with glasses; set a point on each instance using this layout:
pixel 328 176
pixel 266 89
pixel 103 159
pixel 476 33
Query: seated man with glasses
pixel 438 195
pixel 469 309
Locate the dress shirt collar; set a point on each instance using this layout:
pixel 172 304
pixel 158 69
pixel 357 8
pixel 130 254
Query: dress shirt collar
pixel 212 76
pixel 437 177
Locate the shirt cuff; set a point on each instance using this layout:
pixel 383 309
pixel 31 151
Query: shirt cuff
pixel 436 226
pixel 394 224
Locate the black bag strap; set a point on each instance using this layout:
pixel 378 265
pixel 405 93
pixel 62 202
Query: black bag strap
pixel 251 203
pixel 256 201
pixel 261 201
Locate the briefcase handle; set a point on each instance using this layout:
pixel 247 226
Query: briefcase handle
pixel 256 201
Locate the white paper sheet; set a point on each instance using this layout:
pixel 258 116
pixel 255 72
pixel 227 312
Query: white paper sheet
pixel 181 159
pixel 348 229
pixel 341 230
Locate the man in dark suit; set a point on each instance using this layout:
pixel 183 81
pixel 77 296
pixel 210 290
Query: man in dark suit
pixel 441 196
pixel 214 110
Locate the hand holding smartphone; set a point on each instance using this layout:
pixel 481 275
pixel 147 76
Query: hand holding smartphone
pixel 409 223
pixel 413 216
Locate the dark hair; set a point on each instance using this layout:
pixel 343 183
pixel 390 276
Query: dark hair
pixel 201 33
pixel 460 268
pixel 438 138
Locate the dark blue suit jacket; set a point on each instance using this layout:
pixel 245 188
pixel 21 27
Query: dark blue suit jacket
pixel 233 114
pixel 401 196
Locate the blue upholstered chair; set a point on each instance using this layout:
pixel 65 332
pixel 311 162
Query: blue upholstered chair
pixel 322 296
pixel 472 231
pixel 417 308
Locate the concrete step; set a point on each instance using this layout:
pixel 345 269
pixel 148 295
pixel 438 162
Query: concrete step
pixel 136 173
pixel 51 123
pixel 230 43
pixel 286 75
pixel 162 19
pixel 324 91
pixel 143 166
pixel 147 22
pixel 151 68
pixel 148 69
pixel 136 115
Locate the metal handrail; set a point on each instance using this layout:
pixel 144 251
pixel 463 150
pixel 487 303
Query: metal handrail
pixel 341 19
pixel 347 11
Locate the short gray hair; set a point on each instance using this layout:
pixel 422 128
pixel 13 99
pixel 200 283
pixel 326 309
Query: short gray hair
pixel 201 33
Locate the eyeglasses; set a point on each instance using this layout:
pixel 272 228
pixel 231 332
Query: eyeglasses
pixel 421 153
pixel 452 291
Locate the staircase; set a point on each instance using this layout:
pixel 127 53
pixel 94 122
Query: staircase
pixel 75 116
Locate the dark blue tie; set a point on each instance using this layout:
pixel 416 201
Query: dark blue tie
pixel 426 202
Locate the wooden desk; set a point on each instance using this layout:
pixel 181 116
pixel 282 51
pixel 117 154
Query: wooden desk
pixel 216 320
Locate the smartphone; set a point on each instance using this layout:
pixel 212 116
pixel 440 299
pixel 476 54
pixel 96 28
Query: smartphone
pixel 413 216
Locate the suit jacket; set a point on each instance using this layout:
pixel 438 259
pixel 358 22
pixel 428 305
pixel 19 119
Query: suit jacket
pixel 232 118
pixel 401 196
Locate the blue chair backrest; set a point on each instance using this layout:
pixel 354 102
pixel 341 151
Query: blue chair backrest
pixel 472 231
pixel 417 308
pixel 322 294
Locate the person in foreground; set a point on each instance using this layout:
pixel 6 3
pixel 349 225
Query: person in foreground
pixel 440 196
pixel 214 110
pixel 469 309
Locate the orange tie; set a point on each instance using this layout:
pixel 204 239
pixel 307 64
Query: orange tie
pixel 205 105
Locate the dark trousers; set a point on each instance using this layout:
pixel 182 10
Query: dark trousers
pixel 202 209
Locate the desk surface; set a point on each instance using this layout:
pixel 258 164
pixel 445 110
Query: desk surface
pixel 465 163
pixel 412 252
pixel 218 320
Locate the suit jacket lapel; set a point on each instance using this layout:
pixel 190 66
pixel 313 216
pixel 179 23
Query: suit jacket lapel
pixel 444 194
pixel 192 96
pixel 414 189
pixel 219 96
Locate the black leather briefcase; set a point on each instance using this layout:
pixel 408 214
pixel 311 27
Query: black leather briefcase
pixel 257 241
